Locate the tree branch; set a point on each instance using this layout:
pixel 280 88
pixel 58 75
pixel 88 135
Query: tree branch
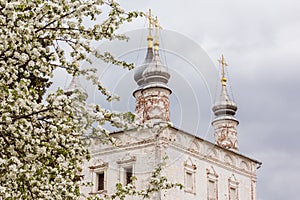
pixel 55 21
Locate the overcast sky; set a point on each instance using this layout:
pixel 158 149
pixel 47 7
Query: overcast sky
pixel 261 41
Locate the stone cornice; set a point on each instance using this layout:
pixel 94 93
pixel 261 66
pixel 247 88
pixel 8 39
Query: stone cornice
pixel 214 161
pixel 167 137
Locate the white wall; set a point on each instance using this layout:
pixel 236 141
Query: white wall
pixel 144 151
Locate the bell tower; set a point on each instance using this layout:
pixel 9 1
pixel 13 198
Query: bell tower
pixel 152 94
pixel 225 124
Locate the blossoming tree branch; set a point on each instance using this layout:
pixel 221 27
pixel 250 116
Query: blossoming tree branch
pixel 41 137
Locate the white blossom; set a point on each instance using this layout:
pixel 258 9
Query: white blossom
pixel 42 146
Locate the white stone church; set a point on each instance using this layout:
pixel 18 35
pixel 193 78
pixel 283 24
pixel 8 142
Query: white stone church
pixel 208 171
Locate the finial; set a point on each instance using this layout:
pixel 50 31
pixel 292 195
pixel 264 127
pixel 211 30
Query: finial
pixel 157 26
pixel 149 17
pixel 224 64
pixel 150 25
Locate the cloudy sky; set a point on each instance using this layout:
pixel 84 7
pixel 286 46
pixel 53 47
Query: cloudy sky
pixel 260 40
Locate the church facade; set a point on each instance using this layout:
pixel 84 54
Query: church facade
pixel 207 171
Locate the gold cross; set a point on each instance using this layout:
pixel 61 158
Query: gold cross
pixel 150 22
pixel 156 24
pixel 224 64
pixel 157 27
pixel 153 22
pixel 149 18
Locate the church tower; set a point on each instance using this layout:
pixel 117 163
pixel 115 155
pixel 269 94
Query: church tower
pixel 225 123
pixel 152 95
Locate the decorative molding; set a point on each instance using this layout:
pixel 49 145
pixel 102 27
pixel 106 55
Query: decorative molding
pixel 233 181
pixel 213 153
pixel 103 192
pixel 211 173
pixel 212 177
pixel 244 165
pixel 156 104
pixel 190 176
pixel 228 159
pixel 126 159
pixel 128 162
pixel 98 164
pixel 233 185
pixel 195 147
pixel 253 189
pixel 190 164
pixel 98 167
pixel 226 134
pixel 117 140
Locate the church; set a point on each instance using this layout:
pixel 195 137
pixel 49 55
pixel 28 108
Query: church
pixel 206 170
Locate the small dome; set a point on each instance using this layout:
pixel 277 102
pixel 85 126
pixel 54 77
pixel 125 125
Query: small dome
pixel 224 105
pixel 138 72
pixel 156 72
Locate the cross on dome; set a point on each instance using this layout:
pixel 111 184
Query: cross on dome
pixel 224 64
pixel 152 22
